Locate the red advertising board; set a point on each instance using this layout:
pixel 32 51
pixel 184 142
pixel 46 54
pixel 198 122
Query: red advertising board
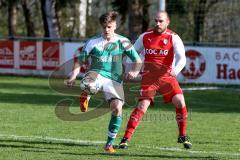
pixel 28 55
pixel 50 55
pixel 6 54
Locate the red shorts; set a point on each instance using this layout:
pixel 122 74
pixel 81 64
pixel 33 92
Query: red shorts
pixel 167 86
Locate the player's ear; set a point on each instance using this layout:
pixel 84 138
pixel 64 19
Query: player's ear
pixel 115 25
pixel 168 21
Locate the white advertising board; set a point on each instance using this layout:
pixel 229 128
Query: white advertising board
pixel 70 49
pixel 211 65
pixel 217 65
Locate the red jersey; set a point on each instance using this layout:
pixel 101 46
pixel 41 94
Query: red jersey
pixel 165 50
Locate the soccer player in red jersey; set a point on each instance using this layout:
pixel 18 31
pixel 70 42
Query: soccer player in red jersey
pixel 164 59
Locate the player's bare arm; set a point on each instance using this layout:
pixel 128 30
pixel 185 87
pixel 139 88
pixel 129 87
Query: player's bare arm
pixel 75 72
pixel 136 67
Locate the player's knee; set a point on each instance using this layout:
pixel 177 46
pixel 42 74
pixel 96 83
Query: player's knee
pixel 116 107
pixel 117 111
pixel 143 105
pixel 179 104
pixel 178 101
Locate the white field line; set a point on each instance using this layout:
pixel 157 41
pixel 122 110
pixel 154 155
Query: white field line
pixel 23 92
pixel 190 151
pixel 76 141
pixel 50 139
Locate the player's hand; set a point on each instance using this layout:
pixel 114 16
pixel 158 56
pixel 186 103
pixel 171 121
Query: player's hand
pixel 131 75
pixel 71 82
pixel 172 73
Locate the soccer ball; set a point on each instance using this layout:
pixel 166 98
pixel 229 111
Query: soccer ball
pixel 89 85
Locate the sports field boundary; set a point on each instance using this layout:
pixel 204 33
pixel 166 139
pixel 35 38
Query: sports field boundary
pixel 91 142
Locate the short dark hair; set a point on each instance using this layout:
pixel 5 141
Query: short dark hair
pixel 108 17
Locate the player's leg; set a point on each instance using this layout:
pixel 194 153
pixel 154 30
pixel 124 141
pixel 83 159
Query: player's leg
pixel 83 101
pixel 181 118
pixel 133 122
pixel 136 117
pixel 173 93
pixel 148 91
pixel 84 96
pixel 181 113
pixel 114 93
pixel 114 124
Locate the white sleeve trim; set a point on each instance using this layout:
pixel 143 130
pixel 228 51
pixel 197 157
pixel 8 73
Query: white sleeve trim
pixel 88 47
pixel 138 45
pixel 179 54
pixel 127 45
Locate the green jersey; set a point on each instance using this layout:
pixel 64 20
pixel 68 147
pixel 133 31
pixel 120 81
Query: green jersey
pixel 106 56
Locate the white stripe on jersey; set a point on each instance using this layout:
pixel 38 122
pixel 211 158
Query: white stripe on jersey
pixel 100 43
pixel 179 60
pixel 138 45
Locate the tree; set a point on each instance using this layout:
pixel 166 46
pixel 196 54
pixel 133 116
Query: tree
pixel 82 17
pixel 12 17
pixel 134 18
pixel 145 15
pixel 67 15
pixel 199 17
pixel 174 7
pixel 138 15
pixel 120 6
pixel 49 18
pixel 27 6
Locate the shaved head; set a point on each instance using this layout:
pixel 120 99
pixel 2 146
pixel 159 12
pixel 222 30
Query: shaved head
pixel 161 21
pixel 162 13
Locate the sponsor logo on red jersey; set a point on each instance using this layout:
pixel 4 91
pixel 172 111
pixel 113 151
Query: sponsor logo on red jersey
pixel 158 48
pixel 156 51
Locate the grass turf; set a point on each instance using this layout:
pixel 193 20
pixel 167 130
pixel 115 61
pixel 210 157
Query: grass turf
pixel 30 129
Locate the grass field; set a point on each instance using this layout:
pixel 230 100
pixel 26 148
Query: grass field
pixel 30 129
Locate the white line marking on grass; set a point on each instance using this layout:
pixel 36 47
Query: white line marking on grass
pixel 27 93
pixel 190 151
pixel 88 142
pixel 50 139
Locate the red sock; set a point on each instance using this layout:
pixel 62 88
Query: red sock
pixel 133 122
pixel 83 96
pixel 181 117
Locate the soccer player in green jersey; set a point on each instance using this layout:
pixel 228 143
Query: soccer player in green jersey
pixel 106 52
